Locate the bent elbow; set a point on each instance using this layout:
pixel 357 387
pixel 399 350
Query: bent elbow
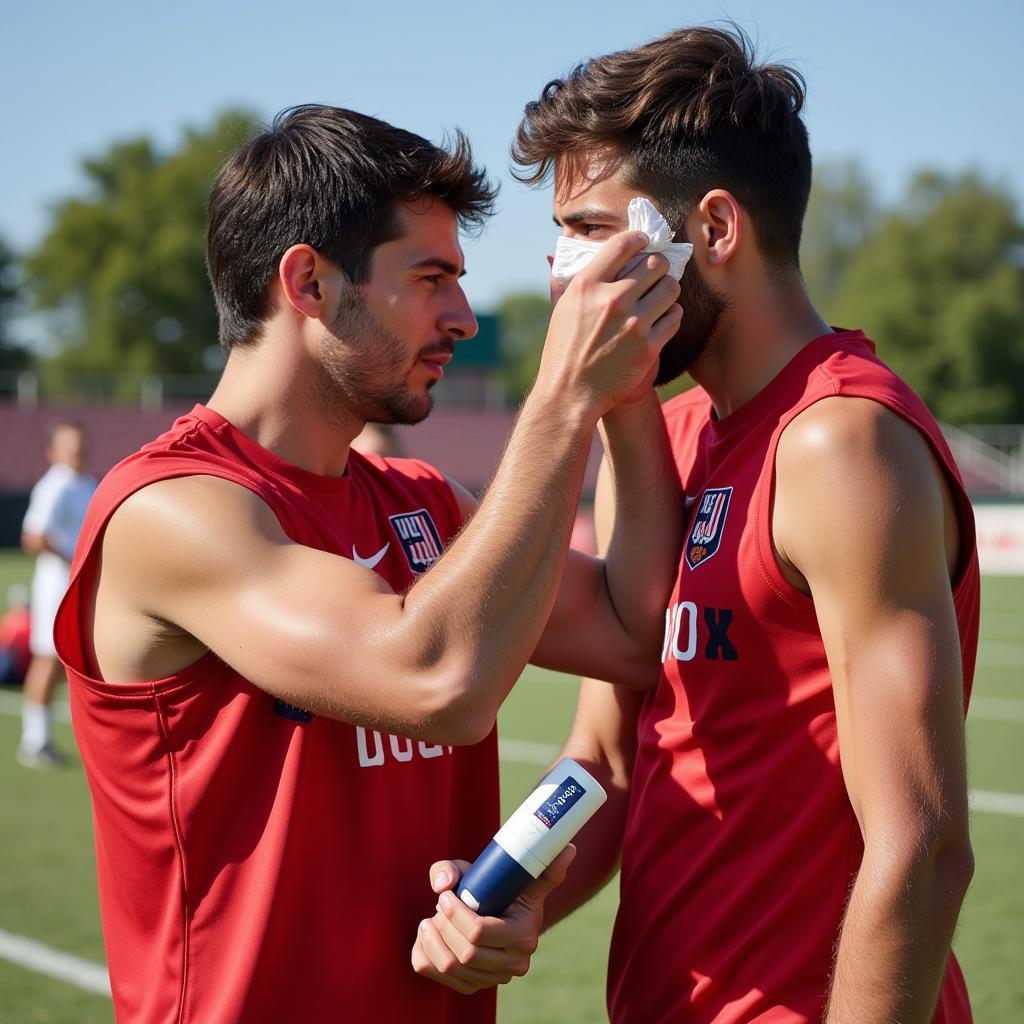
pixel 954 866
pixel 455 726
pixel 460 711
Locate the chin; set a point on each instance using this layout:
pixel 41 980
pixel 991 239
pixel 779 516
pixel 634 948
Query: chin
pixel 408 410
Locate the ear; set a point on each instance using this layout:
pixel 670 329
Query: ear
pixel 300 275
pixel 721 226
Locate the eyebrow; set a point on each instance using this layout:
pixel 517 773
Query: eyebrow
pixel 583 215
pixel 445 265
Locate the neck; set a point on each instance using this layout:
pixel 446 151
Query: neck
pixel 764 327
pixel 268 391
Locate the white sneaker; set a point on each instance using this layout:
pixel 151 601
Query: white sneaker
pixel 44 758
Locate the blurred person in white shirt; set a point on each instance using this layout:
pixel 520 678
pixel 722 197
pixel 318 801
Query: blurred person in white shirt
pixel 49 531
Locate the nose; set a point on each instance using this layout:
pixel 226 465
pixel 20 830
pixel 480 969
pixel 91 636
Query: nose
pixel 458 321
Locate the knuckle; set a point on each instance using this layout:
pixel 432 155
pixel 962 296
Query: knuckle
pixel 521 968
pixel 530 944
pixel 468 956
pixel 474 933
pixel 447 963
pixel 615 306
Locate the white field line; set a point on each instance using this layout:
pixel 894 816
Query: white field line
pixel 54 964
pixel 525 752
pixel 997 709
pixel 1011 804
pixel 1000 654
pixel 10 704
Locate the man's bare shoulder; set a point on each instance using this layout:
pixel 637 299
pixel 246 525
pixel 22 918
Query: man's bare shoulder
pixel 841 434
pixel 857 484
pixel 187 526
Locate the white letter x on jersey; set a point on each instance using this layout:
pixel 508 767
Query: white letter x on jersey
pixel 372 561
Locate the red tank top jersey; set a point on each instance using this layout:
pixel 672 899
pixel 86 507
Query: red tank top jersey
pixel 741 844
pixel 258 863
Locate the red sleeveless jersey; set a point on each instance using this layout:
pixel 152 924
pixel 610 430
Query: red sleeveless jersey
pixel 258 863
pixel 741 844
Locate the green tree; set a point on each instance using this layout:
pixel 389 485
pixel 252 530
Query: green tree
pixel 939 284
pixel 523 321
pixel 840 214
pixel 122 269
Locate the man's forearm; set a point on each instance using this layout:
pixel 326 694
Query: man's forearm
pixel 491 594
pixel 895 939
pixel 643 554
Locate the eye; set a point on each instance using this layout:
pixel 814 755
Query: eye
pixel 594 231
pixel 433 278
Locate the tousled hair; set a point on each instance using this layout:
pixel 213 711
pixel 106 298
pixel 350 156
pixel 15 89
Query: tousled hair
pixel 681 115
pixel 329 178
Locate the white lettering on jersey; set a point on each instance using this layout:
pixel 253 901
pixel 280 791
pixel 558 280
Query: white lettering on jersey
pixel 365 760
pixel 399 753
pixel 402 748
pixel 673 627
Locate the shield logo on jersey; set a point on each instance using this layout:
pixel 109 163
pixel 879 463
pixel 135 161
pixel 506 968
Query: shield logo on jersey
pixel 708 525
pixel 419 538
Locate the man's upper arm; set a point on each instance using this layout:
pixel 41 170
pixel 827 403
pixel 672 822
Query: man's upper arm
pixel 861 511
pixel 209 558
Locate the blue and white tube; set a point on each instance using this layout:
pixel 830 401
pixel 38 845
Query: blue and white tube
pixel 532 838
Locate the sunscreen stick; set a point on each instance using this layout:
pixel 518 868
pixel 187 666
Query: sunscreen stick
pixel 530 840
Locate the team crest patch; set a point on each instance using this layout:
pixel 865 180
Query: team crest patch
pixel 419 538
pixel 708 525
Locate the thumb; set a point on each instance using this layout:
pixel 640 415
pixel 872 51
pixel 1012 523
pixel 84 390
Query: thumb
pixel 611 259
pixel 445 874
pixel 533 896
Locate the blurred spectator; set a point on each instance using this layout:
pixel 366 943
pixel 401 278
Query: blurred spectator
pixel 55 513
pixel 15 626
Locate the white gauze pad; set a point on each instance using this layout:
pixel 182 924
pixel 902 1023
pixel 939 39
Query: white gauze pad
pixel 573 254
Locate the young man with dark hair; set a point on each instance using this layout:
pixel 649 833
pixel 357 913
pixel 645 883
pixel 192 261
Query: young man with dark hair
pixel 790 802
pixel 284 692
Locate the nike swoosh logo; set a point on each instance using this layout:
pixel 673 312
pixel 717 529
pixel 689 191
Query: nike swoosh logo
pixel 689 501
pixel 372 561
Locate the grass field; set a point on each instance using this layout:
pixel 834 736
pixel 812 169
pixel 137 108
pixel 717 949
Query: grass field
pixel 48 891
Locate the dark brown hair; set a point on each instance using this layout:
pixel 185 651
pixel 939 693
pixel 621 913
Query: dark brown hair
pixel 329 178
pixel 682 115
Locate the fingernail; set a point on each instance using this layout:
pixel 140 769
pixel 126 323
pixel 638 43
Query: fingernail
pixel 641 234
pixel 441 879
pixel 423 925
pixel 445 901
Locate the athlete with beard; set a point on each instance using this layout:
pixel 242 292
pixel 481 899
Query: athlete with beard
pixel 283 691
pixel 790 802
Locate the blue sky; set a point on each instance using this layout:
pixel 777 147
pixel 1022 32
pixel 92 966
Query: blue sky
pixel 898 85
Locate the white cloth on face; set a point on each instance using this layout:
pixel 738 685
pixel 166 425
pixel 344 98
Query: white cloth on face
pixel 573 254
pixel 56 511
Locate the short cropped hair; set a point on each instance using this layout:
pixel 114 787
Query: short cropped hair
pixel 54 428
pixel 329 178
pixel 687 113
